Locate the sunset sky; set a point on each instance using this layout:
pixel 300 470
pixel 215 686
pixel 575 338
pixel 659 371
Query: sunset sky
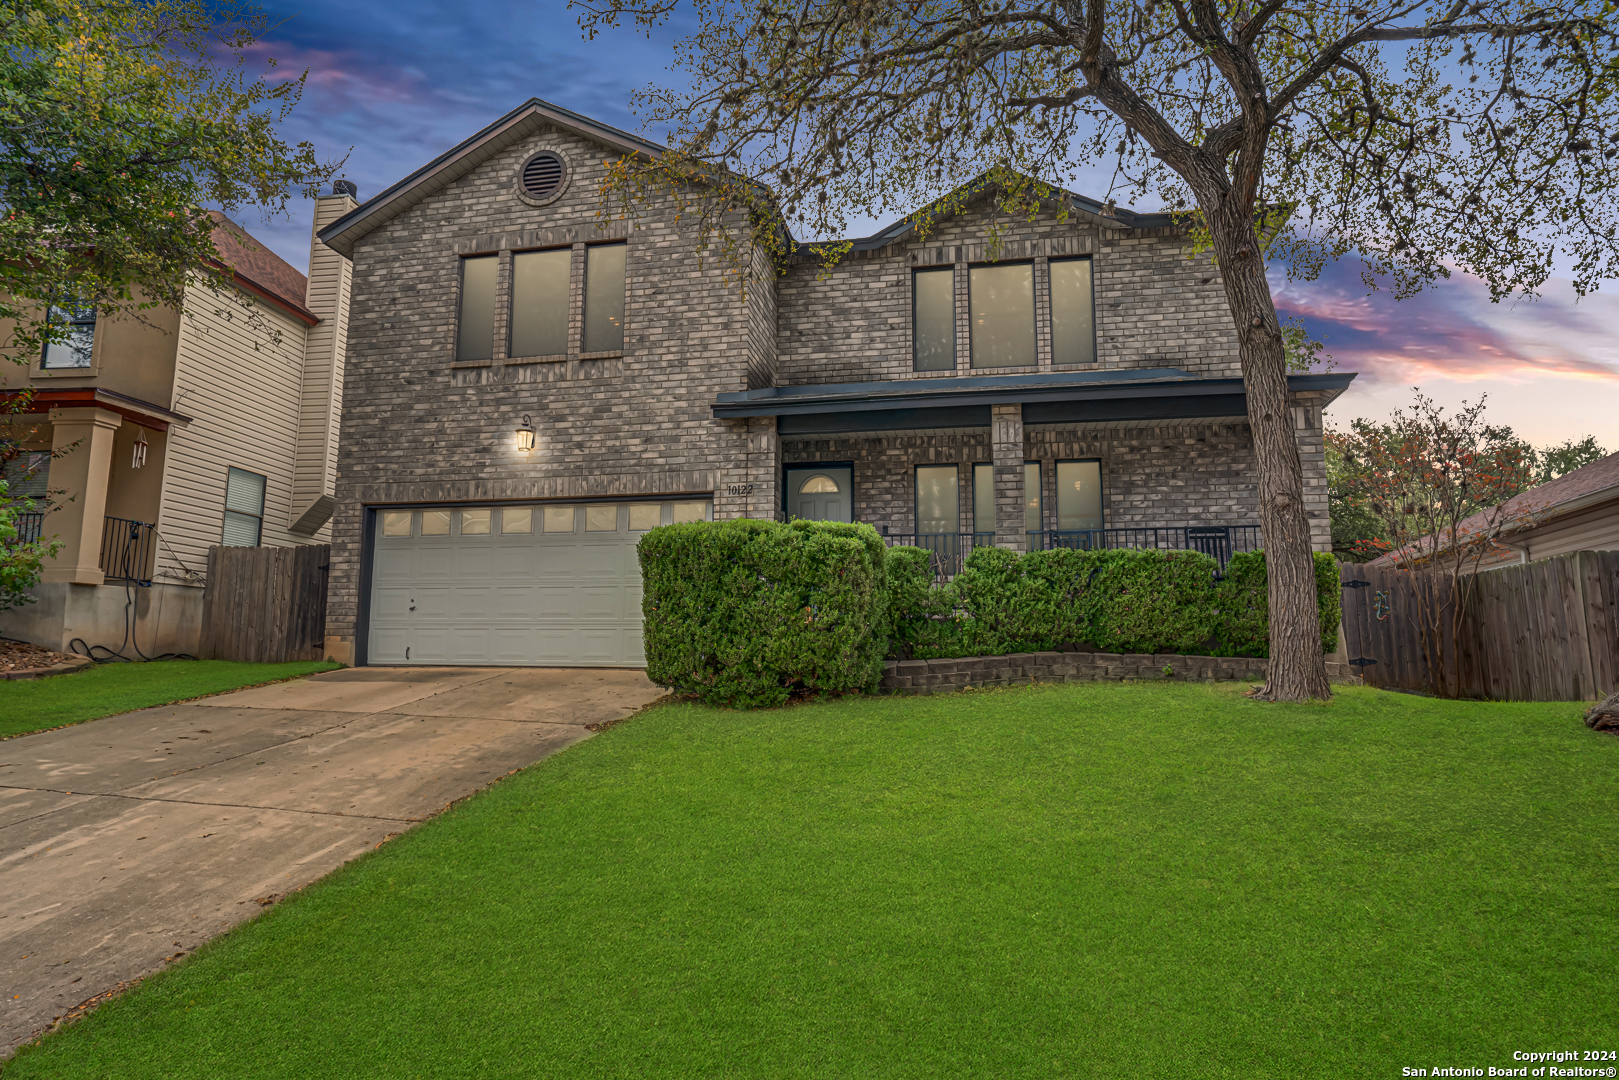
pixel 401 82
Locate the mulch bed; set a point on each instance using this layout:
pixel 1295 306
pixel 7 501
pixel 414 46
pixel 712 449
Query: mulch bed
pixel 20 656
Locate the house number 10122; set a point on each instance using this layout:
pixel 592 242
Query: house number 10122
pixel 739 489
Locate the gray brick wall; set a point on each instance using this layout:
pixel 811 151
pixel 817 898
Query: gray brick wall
pixel 419 427
pixel 1156 306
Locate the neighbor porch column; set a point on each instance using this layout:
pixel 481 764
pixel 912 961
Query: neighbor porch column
pixel 82 473
pixel 1006 438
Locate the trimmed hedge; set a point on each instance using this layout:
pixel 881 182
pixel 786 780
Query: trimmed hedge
pixel 743 612
pixel 1243 601
pixel 1122 601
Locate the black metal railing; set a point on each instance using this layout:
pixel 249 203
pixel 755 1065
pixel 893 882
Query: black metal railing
pixel 1219 542
pixel 128 550
pixel 30 527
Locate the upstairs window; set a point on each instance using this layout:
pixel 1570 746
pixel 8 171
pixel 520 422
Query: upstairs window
pixel 604 298
pixel 1073 312
pixel 74 350
pixel 933 320
pixel 476 339
pixel 244 509
pixel 540 302
pixel 1001 311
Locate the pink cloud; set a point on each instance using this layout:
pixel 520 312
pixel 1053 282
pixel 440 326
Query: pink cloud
pixel 1452 331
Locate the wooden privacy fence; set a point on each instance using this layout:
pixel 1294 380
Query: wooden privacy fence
pixel 1544 631
pixel 265 604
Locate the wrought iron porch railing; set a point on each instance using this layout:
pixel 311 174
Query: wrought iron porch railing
pixel 1220 542
pixel 1217 541
pixel 30 527
pixel 128 550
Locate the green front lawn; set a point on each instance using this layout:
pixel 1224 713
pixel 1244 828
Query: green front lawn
pixel 37 704
pixel 1091 880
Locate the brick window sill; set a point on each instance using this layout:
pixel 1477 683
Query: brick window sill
pixel 553 358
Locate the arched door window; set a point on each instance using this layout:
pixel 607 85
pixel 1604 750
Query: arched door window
pixel 820 493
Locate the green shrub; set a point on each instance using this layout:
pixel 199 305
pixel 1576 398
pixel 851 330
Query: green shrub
pixel 742 612
pixel 920 614
pixel 1244 606
pixel 1150 601
pixel 1009 603
pixel 1123 601
pixel 1120 601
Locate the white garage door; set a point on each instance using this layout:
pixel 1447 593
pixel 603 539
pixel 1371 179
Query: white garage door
pixel 541 584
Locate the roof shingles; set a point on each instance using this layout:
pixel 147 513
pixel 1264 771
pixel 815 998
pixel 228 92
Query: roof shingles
pixel 251 260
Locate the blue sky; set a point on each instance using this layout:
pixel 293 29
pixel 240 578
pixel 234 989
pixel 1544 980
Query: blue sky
pixel 401 82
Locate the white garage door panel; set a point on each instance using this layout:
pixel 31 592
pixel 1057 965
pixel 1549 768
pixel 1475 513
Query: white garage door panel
pixel 564 598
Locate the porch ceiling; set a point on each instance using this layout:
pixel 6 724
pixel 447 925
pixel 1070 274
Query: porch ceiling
pixel 1047 398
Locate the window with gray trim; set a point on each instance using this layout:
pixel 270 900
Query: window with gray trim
pixel 244 509
pixel 540 299
pixel 933 319
pixel 984 498
pixel 1073 312
pixel 1001 315
pixel 938 510
pixel 604 298
pixel 1079 495
pixel 475 337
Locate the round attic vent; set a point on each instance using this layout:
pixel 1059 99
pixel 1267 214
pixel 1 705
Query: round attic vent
pixel 542 177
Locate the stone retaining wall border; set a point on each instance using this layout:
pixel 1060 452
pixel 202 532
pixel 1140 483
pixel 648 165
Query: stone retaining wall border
pixel 1022 669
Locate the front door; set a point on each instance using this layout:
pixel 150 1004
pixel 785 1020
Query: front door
pixel 820 492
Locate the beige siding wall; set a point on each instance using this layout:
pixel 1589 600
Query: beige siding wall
pixel 243 392
pixel 1596 529
pixel 321 397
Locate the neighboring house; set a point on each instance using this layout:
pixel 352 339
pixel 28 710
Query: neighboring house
pixel 1578 511
pixel 1080 385
pixel 182 432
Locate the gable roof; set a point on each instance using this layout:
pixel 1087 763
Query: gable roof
pixel 438 174
pixel 1589 485
pixel 258 269
pixel 535 113
pixel 1097 213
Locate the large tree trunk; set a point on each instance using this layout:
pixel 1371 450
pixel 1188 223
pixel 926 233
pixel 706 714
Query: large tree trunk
pixel 1298 671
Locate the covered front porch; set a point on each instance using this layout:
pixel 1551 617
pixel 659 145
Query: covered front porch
pixel 1155 458
pixel 92 462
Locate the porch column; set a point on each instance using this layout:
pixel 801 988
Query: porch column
pixel 751 488
pixel 1006 438
pixel 82 472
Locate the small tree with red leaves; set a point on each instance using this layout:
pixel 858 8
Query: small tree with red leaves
pixel 1442 491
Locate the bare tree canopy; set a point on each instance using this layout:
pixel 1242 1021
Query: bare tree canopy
pixel 1422 136
pixel 1415 134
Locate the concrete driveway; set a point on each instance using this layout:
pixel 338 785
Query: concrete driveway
pixel 125 843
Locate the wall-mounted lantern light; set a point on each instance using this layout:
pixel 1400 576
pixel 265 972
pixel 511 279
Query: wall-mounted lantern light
pixel 139 457
pixel 525 434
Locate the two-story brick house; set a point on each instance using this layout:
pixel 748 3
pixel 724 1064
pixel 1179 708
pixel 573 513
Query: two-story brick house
pixel 530 386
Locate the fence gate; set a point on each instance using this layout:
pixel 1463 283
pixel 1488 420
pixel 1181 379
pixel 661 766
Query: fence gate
pixel 265 604
pixel 1544 631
